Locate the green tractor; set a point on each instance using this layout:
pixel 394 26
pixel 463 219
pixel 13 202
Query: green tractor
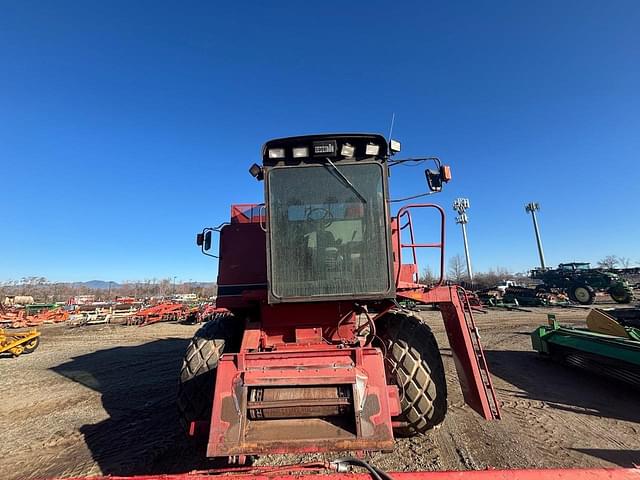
pixel 581 282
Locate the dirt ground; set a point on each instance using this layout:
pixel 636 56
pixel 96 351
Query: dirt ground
pixel 100 399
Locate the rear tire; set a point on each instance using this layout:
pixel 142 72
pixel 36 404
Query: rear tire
pixel 582 294
pixel 222 334
pixel 414 364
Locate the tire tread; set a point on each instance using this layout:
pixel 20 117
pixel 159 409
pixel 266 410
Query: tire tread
pixel 197 376
pixel 412 352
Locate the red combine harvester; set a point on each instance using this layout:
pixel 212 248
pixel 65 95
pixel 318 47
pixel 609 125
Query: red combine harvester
pixel 316 354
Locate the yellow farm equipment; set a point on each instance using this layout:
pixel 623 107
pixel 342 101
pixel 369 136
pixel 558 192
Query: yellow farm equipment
pixel 19 342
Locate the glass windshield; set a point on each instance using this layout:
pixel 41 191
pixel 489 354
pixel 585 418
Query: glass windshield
pixel 328 236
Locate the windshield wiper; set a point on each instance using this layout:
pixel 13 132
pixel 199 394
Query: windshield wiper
pixel 346 181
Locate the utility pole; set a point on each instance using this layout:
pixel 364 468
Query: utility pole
pixel 460 205
pixel 532 208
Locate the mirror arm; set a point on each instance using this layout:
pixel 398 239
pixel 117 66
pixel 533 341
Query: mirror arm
pixel 436 160
pixel 204 234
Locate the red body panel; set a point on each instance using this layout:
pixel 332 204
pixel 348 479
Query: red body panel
pixel 233 433
pixel 242 273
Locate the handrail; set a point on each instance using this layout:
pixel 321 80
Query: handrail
pixel 405 211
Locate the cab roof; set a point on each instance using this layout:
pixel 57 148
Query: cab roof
pixel 325 145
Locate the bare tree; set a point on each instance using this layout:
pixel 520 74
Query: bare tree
pixel 610 261
pixel 44 291
pixel 492 277
pixel 457 269
pixel 427 277
pixel 625 262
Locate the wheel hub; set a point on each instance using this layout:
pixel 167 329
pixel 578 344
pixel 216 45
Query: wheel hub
pixel 582 294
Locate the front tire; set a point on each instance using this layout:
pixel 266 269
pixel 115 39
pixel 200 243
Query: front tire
pixel 414 364
pixel 621 294
pixel 220 335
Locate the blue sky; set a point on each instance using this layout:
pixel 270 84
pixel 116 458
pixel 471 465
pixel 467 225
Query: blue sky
pixel 125 127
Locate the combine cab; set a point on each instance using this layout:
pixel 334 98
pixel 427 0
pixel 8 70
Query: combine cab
pixel 315 353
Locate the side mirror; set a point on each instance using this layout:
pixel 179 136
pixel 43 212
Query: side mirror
pixel 435 178
pixel 203 240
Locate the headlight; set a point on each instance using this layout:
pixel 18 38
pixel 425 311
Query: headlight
pixel 276 153
pixel 347 150
pixel 301 152
pixel 372 149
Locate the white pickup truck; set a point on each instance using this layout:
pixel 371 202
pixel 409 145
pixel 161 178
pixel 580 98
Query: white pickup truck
pixel 503 285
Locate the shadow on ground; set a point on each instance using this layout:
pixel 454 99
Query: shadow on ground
pixel 622 458
pixel 138 387
pixel 564 387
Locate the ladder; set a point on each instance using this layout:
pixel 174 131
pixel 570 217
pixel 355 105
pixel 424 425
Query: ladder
pixel 479 355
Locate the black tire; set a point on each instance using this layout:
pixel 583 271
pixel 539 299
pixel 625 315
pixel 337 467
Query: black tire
pixel 582 294
pixel 413 362
pixel 31 346
pixel 621 294
pixel 222 334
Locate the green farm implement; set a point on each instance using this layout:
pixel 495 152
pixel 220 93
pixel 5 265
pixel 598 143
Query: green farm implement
pixel 605 348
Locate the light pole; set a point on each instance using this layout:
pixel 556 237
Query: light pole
pixel 460 205
pixel 532 208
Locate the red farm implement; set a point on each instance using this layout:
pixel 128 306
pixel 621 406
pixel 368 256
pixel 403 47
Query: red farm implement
pixel 168 312
pixel 210 310
pixel 10 315
pixel 163 312
pixel 20 319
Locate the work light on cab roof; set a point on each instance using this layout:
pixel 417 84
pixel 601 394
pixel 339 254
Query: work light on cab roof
pixel 343 147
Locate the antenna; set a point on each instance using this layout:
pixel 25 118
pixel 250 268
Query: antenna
pixel 393 119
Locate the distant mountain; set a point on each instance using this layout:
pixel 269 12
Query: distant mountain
pixel 98 284
pixel 104 285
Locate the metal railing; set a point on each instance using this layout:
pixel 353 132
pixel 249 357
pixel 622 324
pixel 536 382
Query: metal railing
pixel 405 212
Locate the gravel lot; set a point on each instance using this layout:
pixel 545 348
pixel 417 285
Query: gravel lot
pixel 100 399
